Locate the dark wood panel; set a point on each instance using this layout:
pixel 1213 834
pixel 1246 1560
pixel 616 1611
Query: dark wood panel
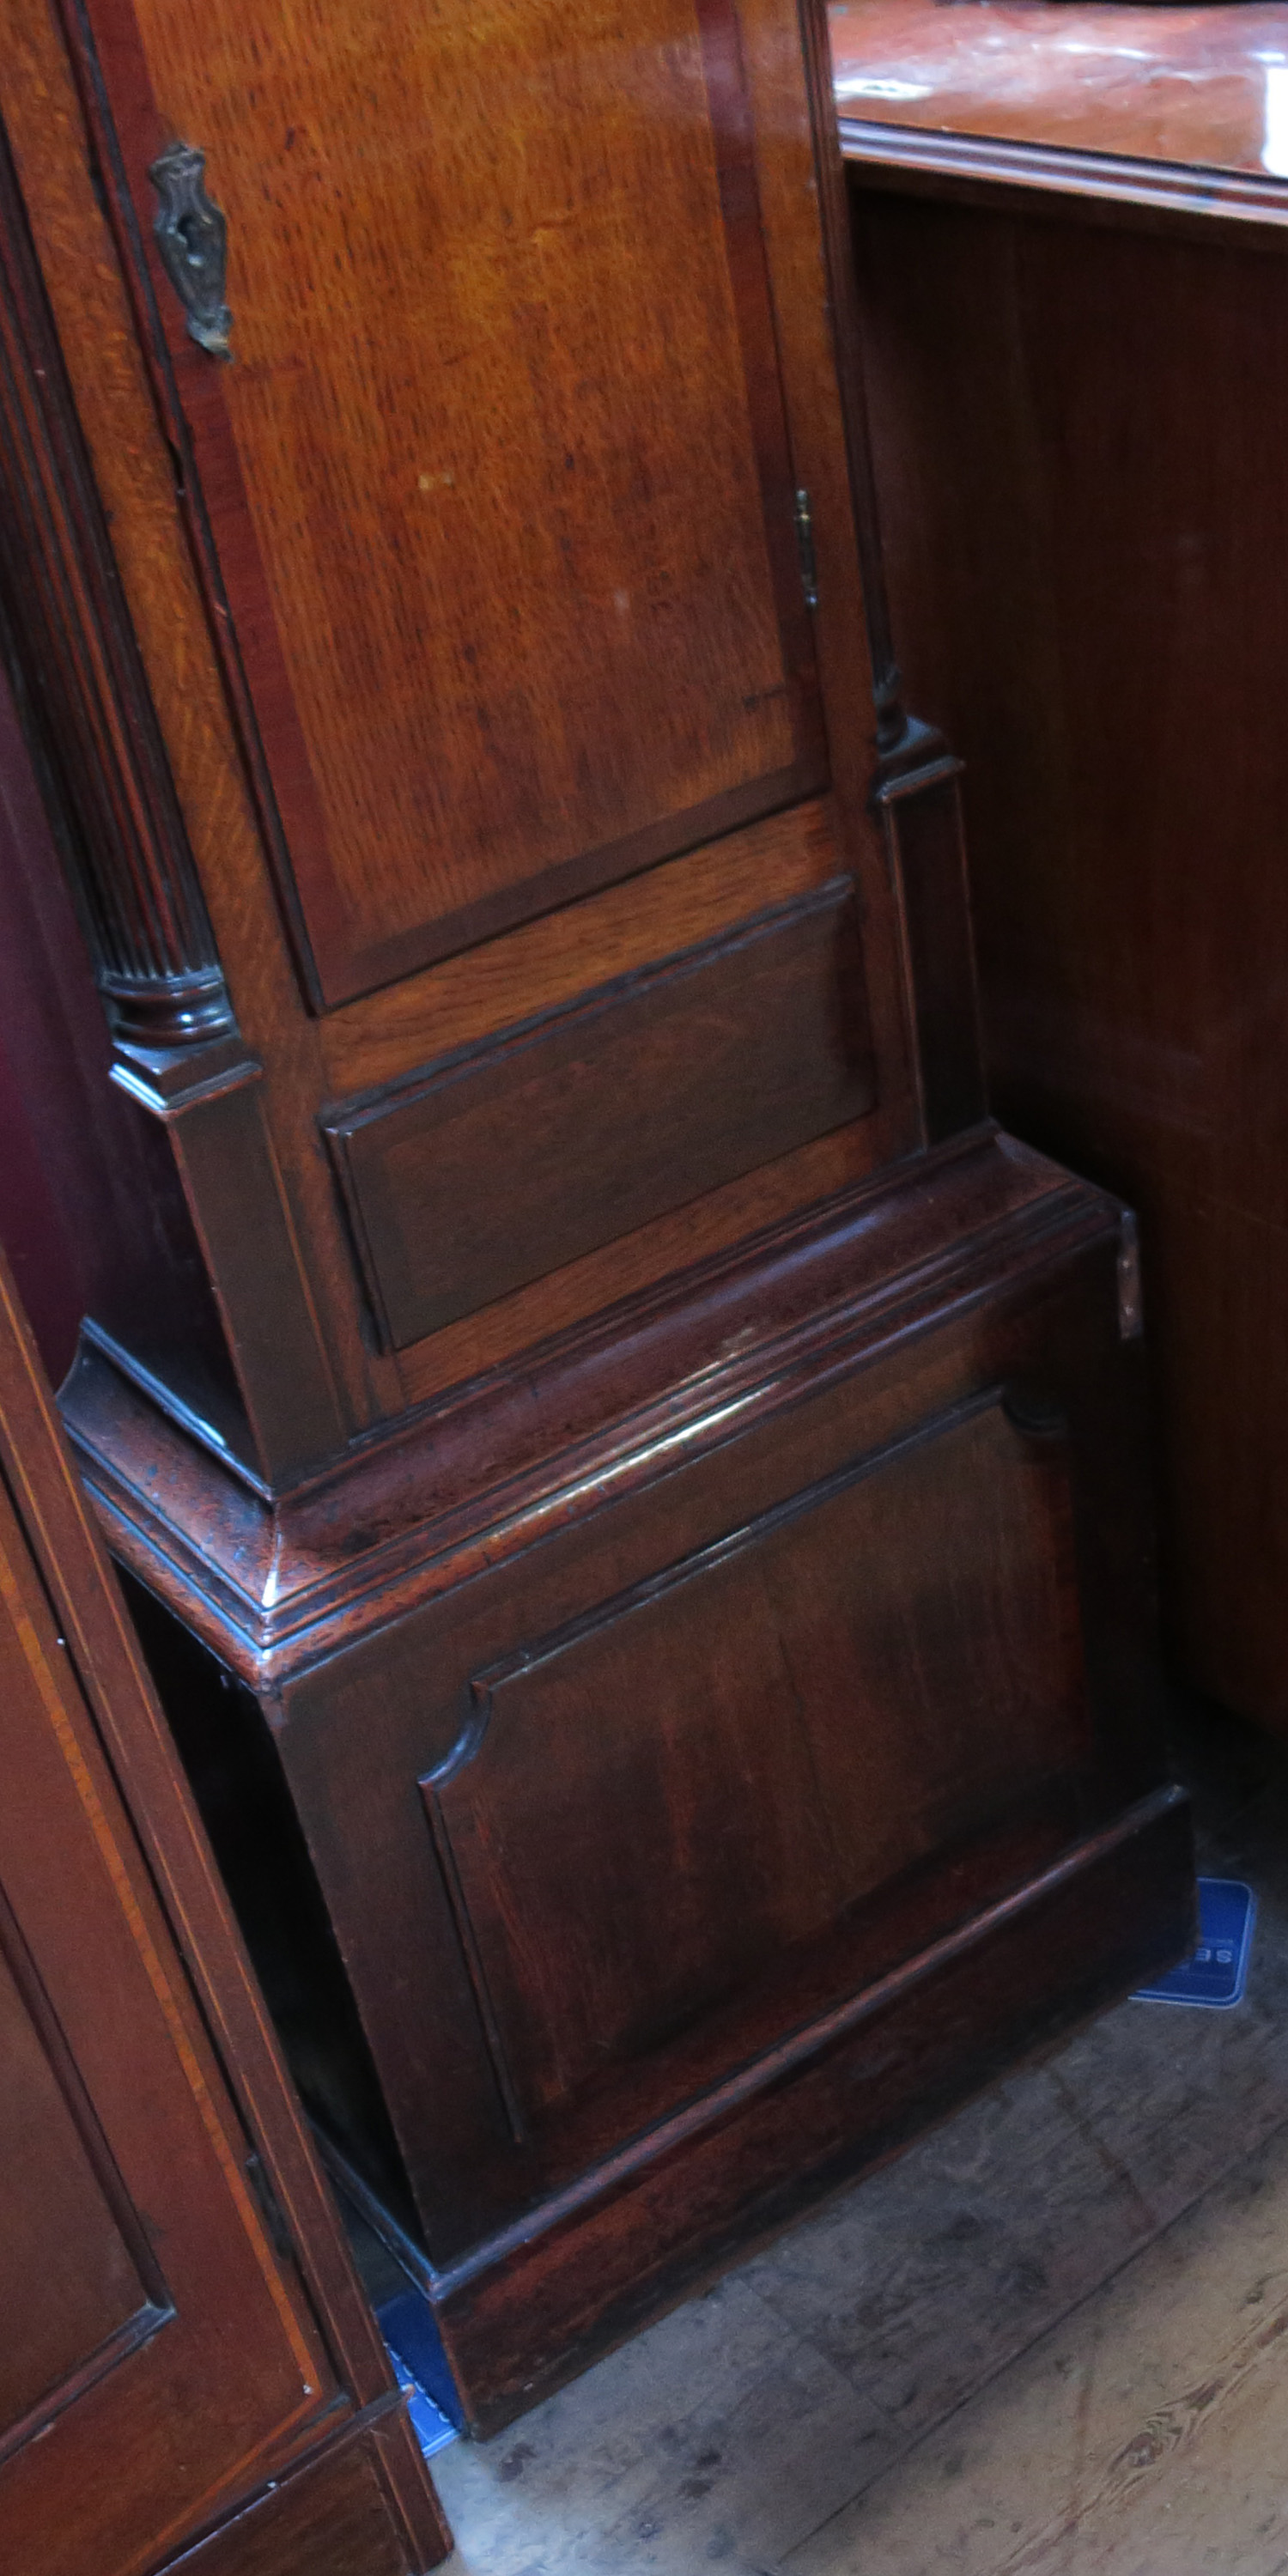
pixel 641 1816
pixel 513 1159
pixel 69 2277
pixel 711 2089
pixel 100 2478
pixel 512 568
pixel 163 2359
pixel 545 965
pixel 1071 1938
pixel 699 1232
pixel 611 1510
pixel 354 2512
pixel 1086 568
pixel 927 842
pixel 645 1814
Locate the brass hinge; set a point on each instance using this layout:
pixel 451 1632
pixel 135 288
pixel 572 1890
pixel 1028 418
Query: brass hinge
pixel 805 548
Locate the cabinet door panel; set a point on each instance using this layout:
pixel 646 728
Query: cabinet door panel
pixel 643 1817
pixel 510 1160
pixel 70 2272
pixel 154 2348
pixel 500 481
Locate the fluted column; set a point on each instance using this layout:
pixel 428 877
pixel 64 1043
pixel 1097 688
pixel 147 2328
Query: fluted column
pixel 154 949
pixel 84 693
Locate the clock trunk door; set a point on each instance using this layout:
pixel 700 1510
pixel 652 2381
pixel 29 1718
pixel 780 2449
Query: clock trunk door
pixel 497 498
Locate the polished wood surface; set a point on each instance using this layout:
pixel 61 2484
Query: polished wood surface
pixel 615 1126
pixel 767 1817
pixel 343 1383
pixel 163 2361
pixel 702 1230
pixel 264 1578
pixel 674 1184
pixel 895 1449
pixel 1085 564
pixel 583 945
pixel 1202 85
pixel 438 618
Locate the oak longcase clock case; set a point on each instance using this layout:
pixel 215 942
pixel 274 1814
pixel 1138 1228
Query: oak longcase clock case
pixel 631 1484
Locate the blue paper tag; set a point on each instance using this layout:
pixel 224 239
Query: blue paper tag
pixel 1216 1971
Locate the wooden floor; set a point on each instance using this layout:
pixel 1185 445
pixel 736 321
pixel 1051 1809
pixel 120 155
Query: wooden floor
pixel 1054 2337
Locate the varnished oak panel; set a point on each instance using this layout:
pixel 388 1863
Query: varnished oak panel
pixel 692 1234
pixel 516 1159
pixel 1179 85
pixel 70 2273
pixel 354 2512
pixel 1111 1910
pixel 99 2477
pixel 636 1823
pixel 503 978
pixel 511 567
pixel 1084 566
pixel 827 1746
pixel 171 2350
pixel 569 953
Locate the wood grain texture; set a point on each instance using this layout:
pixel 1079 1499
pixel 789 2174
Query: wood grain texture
pixel 704 1230
pixel 584 944
pixel 1020 2287
pixel 922 811
pixel 628 1753
pixel 953 2021
pixel 169 2360
pixel 689 1494
pixel 799 164
pixel 155 2118
pixel 79 2272
pixel 271 1582
pixel 1179 86
pixel 641 1455
pixel 134 472
pixel 133 468
pixel 511 1161
pixel 159 1194
pixel 366 2508
pixel 1085 580
pixel 571 659
pixel 357 1608
pixel 140 898
pixel 90 1217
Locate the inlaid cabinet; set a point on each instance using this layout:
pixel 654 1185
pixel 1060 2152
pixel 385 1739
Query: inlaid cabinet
pixel 630 1484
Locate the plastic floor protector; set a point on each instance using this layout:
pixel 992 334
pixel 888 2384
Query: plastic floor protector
pixel 420 2366
pixel 1216 1972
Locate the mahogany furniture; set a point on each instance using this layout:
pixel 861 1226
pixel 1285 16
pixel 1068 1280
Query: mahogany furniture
pixel 1079 410
pixel 189 2369
pixel 632 1486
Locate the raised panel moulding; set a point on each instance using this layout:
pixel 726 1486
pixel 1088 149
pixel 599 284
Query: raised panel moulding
pixel 508 1160
pixel 634 1826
